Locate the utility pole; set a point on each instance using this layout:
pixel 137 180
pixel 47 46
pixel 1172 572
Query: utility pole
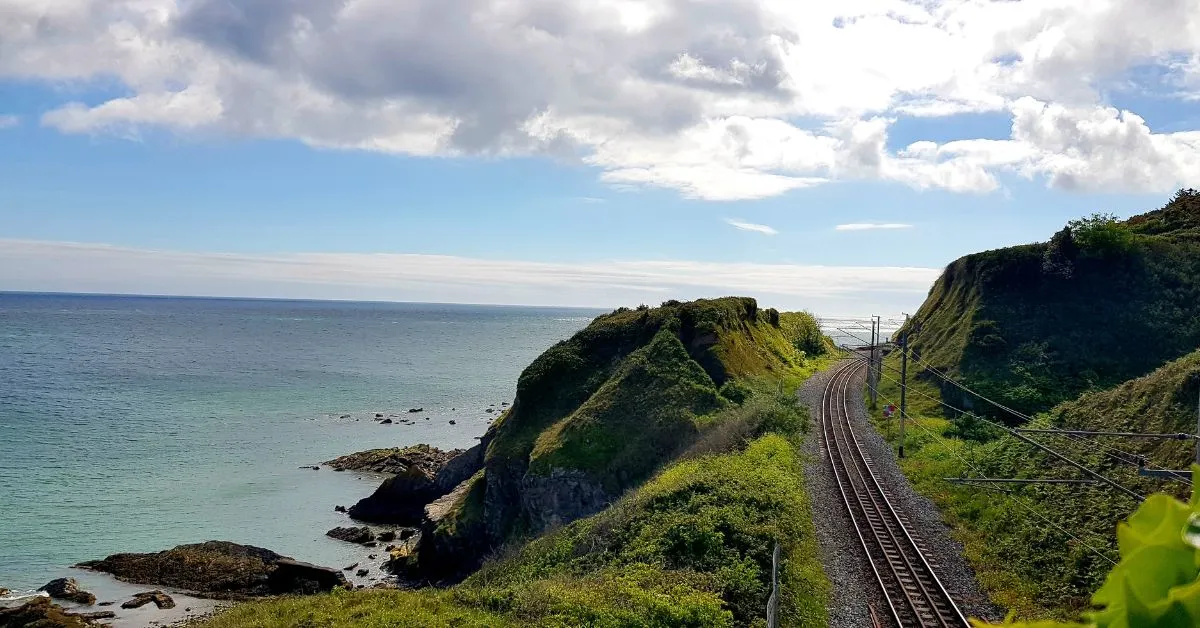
pixel 1198 428
pixel 903 381
pixel 872 382
pixel 903 385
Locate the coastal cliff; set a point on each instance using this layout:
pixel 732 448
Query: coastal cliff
pixel 596 414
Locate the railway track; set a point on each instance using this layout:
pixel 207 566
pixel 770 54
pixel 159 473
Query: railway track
pixel 915 596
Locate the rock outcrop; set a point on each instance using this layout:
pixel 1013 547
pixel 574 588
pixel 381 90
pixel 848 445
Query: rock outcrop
pixel 218 569
pixel 352 535
pixel 42 613
pixel 395 460
pixel 295 577
pixel 160 599
pixel 67 589
pixel 561 497
pixel 419 480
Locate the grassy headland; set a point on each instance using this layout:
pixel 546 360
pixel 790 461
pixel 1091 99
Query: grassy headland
pixel 677 429
pixel 1102 302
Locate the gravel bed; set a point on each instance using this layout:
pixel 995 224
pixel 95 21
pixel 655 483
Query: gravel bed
pixel 853 583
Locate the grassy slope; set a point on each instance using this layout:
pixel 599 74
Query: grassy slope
pixel 654 372
pixel 1025 563
pixel 691 546
pixel 1007 327
pixel 596 437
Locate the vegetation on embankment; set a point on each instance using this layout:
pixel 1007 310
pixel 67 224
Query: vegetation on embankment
pixel 597 414
pixel 1157 582
pixel 691 547
pixel 1101 302
pixel 1030 545
pixel 664 440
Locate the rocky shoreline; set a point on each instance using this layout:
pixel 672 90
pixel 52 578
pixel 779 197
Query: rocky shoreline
pixel 223 570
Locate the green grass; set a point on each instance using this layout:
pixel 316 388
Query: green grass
pixel 657 394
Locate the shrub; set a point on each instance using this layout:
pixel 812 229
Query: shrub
pixel 1102 235
pixel 736 391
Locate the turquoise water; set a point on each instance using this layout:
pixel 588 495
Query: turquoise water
pixel 138 423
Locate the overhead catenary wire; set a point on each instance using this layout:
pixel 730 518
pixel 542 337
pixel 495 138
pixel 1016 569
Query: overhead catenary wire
pixel 1048 450
pixel 1013 497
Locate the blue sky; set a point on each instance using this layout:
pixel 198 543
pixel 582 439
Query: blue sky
pixel 130 148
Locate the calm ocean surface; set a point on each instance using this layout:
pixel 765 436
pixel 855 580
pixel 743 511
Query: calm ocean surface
pixel 136 424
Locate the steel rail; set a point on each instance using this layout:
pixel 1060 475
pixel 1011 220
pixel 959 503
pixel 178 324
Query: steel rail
pixel 915 595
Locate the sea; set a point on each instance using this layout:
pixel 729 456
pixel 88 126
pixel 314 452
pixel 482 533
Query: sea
pixel 134 424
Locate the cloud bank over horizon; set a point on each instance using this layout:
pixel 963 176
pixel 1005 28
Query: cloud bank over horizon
pixel 714 99
pixel 41 266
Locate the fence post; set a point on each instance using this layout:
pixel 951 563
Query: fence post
pixel 773 601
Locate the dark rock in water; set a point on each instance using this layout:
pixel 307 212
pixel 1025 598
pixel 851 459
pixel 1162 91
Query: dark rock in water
pixel 352 535
pixel 416 410
pixel 386 535
pixel 67 589
pixel 344 416
pixel 219 569
pixel 426 418
pixel 399 499
pixel 4 592
pixel 370 544
pixel 349 567
pixel 40 612
pixel 105 603
pixel 370 557
pixel 402 499
pixel 386 422
pixel 378 415
pixel 160 599
pixel 389 549
pixel 453 422
pixel 504 403
pixel 489 411
pixel 407 533
pixel 339 509
pixel 95 615
pixel 362 572
pixel 313 467
pixel 292 576
pixel 395 460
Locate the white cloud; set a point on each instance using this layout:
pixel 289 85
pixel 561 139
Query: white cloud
pixel 868 226
pixel 8 122
pixel 750 226
pixel 697 96
pixel 80 267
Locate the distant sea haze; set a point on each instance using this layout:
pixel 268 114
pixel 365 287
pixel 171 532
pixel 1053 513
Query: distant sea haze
pixel 139 423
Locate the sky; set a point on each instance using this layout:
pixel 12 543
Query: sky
pixel 831 156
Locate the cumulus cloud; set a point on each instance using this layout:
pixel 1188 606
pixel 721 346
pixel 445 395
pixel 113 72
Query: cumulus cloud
pixel 869 226
pixel 717 99
pixel 83 267
pixel 742 225
pixel 8 122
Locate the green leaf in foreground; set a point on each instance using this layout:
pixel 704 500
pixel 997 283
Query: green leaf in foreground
pixel 1157 582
